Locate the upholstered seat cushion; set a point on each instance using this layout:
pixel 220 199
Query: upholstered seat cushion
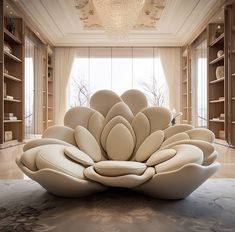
pixel 119 168
pixel 53 157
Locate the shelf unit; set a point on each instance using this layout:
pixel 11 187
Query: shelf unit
pixel 48 87
pixel 186 92
pixel 217 98
pixel 230 18
pixel 12 79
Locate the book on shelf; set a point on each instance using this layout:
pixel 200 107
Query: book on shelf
pixel 5 89
pixel 12 118
pixel 9 114
pixel 9 143
pixel 9 97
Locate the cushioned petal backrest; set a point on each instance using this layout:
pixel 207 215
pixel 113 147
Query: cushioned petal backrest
pixel 141 127
pixel 119 143
pixel 135 99
pixel 87 143
pixel 104 100
pixel 159 118
pixel 149 146
pixel 113 122
pixel 96 124
pixel 63 133
pixel 121 109
pixel 78 116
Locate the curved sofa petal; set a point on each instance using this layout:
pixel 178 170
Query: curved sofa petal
pixel 135 99
pixel 44 141
pixel 61 184
pixel 179 183
pixel 63 133
pixel 124 181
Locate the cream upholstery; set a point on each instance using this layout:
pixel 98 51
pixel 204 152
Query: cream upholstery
pixel 78 156
pixel 86 142
pixel 149 146
pixel 120 142
pixel 119 168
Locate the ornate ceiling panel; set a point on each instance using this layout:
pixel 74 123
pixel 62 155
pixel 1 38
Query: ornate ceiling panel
pixel 75 22
pixel 148 18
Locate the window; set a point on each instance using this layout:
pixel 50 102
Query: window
pixel 118 69
pixel 29 88
pixel 199 80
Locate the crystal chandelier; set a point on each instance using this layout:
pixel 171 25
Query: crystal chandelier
pixel 118 16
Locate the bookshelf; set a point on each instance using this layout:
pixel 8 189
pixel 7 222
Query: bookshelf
pixel 186 91
pixel 12 81
pixel 230 18
pixel 217 98
pixel 48 87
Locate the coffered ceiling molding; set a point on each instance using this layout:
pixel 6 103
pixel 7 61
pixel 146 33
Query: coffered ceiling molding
pixel 63 23
pixel 148 17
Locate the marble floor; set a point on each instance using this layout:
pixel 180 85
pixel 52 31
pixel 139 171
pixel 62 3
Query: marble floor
pixel 9 170
pixel 26 206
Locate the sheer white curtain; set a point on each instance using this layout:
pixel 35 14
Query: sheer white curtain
pixel 170 59
pixel 64 58
pixel 199 81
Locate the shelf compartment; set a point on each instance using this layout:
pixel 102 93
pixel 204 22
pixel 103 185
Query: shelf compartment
pixel 217 60
pixel 217 101
pixel 12 100
pixel 217 120
pixel 12 57
pixel 217 40
pixel 12 121
pixel 11 77
pixel 10 37
pixel 217 80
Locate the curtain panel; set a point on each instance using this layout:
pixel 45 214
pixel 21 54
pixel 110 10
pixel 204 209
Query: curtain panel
pixel 64 58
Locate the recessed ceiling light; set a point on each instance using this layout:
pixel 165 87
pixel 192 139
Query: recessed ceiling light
pixel 11 12
pixel 7 6
pixel 219 18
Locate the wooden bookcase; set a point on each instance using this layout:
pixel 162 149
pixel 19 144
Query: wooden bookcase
pixel 48 88
pixel 12 79
pixel 186 91
pixel 230 19
pixel 217 85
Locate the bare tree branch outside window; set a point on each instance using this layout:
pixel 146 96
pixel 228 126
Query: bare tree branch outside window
pixel 155 92
pixel 81 92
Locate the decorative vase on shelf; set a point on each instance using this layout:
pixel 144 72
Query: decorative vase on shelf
pixel 10 25
pixel 220 53
pixel 218 31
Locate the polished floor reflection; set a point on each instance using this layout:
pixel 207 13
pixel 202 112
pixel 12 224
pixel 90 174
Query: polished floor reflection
pixel 9 169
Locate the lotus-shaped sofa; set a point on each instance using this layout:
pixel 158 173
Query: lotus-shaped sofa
pixel 120 142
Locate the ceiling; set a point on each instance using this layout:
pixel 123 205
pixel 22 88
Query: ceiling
pixel 149 16
pixel 60 21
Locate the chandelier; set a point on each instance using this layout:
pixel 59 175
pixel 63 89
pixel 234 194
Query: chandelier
pixel 118 16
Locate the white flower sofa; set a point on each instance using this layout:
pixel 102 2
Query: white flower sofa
pixel 120 142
